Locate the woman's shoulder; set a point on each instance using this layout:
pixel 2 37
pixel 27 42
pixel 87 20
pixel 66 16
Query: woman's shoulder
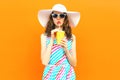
pixel 73 37
pixel 43 35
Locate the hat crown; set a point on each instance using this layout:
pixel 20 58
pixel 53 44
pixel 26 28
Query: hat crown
pixel 59 7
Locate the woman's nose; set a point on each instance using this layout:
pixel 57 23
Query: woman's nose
pixel 58 18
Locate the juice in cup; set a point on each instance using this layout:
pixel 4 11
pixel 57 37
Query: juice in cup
pixel 59 36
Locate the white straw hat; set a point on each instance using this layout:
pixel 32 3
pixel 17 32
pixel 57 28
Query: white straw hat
pixel 43 15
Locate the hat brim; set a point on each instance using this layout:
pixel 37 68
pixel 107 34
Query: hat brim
pixel 43 17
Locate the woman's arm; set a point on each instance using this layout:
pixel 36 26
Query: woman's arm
pixel 71 57
pixel 45 51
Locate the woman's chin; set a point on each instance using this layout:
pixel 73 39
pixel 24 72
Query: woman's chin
pixel 58 25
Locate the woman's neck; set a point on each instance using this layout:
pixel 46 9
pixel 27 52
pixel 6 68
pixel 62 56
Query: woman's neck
pixel 60 28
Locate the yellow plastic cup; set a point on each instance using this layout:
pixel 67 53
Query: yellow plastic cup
pixel 59 36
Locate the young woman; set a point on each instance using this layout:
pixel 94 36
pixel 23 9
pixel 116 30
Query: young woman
pixel 59 59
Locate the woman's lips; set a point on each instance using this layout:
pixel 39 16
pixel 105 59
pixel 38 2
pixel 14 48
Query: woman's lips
pixel 58 22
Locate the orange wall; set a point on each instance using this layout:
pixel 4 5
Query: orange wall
pixel 98 39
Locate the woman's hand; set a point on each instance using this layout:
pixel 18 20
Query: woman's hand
pixel 53 33
pixel 63 43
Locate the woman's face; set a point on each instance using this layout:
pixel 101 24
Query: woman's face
pixel 58 18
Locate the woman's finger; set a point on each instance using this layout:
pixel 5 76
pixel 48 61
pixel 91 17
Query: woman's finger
pixel 63 40
pixel 63 44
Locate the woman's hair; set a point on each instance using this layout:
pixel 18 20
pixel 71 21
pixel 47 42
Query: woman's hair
pixel 66 27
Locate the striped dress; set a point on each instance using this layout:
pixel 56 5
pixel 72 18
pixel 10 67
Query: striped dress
pixel 58 67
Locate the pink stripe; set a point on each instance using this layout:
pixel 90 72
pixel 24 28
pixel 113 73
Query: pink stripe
pixel 48 74
pixel 62 73
pixel 70 50
pixel 55 45
pixel 55 48
pixel 69 73
pixel 59 75
pixel 60 61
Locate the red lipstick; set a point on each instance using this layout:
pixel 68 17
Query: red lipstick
pixel 58 22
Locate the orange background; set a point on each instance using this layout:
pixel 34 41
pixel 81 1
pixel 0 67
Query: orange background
pixel 98 39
